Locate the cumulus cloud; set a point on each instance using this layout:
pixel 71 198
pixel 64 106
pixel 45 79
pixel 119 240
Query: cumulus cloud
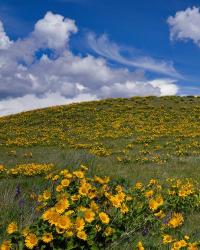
pixel 102 46
pixel 166 86
pixel 53 31
pixel 31 102
pixel 185 25
pixel 4 39
pixel 40 70
pixel 158 87
pixel 129 89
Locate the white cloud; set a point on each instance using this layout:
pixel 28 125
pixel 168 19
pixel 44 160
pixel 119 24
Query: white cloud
pixel 29 81
pixel 129 89
pixel 166 86
pixel 110 50
pixel 27 102
pixel 31 102
pixel 53 31
pixel 4 39
pixel 140 88
pixel 185 25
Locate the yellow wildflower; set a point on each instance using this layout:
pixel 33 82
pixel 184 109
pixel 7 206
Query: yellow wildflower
pixel 62 205
pixel 69 233
pixel 120 196
pixel 148 193
pixel 104 218
pixel 75 197
pixel 176 220
pixel 25 232
pixel 31 241
pixel 167 239
pixel 124 209
pixel 47 237
pixel 79 174
pixel 89 215
pixel 192 246
pixel 115 201
pixel 140 246
pixel 94 206
pixel 64 222
pixel 65 182
pixel 59 188
pixel 108 231
pixel 12 228
pixel 79 223
pixel 138 185
pixel 179 244
pixel 83 190
pixel 82 235
pixel 46 195
pixel 6 245
pixel 154 204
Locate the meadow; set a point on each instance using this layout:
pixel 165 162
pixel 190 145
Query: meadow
pixel 149 149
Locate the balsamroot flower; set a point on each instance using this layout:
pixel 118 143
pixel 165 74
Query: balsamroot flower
pixel 12 228
pixel 82 235
pixel 176 220
pixel 47 237
pixel 31 241
pixel 104 218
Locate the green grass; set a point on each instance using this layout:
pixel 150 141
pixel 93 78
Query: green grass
pixel 73 158
pixel 54 135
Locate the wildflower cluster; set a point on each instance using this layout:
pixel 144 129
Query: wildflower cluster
pixel 157 129
pixel 183 243
pixel 30 169
pixel 78 212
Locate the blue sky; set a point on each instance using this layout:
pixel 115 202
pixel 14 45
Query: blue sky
pixel 157 42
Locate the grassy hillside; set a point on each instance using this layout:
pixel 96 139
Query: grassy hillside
pixel 135 139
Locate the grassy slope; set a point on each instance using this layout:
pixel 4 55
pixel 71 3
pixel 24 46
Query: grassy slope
pixel 143 137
